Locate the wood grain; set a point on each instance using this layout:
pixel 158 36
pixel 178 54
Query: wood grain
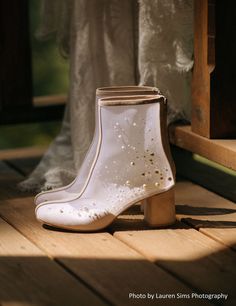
pixel 23 153
pixel 136 258
pixel 193 257
pixel 212 214
pixel 201 76
pixel 29 277
pixel 40 101
pixel 222 151
pixel 206 173
pixel 103 262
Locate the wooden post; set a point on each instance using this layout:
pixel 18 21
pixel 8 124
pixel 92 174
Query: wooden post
pixel 214 74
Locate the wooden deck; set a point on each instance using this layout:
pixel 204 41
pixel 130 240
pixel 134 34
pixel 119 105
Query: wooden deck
pixel 41 266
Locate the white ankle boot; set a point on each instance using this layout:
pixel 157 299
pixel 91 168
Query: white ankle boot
pixel 72 190
pixel 131 164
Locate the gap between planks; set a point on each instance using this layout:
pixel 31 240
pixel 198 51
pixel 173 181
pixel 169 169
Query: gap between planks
pixel 204 259
pixel 216 246
pixel 196 206
pixel 100 260
pixel 208 212
pixel 29 277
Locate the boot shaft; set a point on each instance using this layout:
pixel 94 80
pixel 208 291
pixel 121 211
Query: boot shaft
pixel 131 160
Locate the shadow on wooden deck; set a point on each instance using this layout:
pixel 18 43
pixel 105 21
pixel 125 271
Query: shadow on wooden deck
pixel 44 266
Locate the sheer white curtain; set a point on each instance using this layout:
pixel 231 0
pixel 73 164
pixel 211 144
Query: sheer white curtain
pixel 113 42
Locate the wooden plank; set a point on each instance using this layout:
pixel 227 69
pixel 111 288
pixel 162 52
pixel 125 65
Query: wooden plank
pixel 8 181
pixel 204 261
pixel 222 151
pixel 101 261
pixel 201 74
pixel 49 100
pixel 206 173
pixel 191 256
pixel 211 32
pixel 23 160
pixel 7 175
pixel 24 165
pixel 23 153
pixel 104 263
pixel 210 213
pixel 29 277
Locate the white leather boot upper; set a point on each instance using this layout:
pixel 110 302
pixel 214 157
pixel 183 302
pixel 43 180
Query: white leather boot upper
pixel 130 164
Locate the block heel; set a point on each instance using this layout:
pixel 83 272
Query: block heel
pixel 159 210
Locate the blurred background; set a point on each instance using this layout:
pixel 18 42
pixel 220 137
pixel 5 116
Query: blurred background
pixel 50 77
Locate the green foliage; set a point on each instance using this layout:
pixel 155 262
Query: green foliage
pixel 24 135
pixel 50 69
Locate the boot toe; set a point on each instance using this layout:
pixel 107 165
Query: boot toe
pixel 67 216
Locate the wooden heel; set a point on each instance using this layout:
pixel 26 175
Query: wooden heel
pixel 159 210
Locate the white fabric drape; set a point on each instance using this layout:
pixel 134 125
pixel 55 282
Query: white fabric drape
pixel 113 42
